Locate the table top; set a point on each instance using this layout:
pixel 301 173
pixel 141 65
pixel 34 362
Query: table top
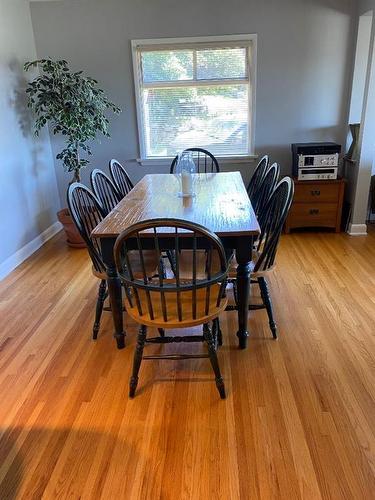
pixel 221 204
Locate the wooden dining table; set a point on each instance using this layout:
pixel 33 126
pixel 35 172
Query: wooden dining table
pixel 220 203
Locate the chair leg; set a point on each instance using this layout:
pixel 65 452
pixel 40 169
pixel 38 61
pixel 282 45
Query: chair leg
pixel 217 333
pixel 214 334
pixel 137 360
pixel 265 294
pixel 214 361
pixel 161 332
pixel 172 260
pixel 99 308
pixel 235 295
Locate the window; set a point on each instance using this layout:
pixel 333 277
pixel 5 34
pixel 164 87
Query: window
pixel 195 92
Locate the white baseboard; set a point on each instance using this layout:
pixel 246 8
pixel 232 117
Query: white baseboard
pixel 357 230
pixel 23 253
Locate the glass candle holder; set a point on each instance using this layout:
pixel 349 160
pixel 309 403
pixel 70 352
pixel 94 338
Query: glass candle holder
pixel 185 169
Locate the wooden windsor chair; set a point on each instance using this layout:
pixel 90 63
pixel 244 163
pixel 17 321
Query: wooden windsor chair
pixel 105 190
pixel 87 212
pixel 120 177
pixel 175 302
pixel 271 222
pixel 203 159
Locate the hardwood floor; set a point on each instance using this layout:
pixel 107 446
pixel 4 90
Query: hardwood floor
pixel 298 422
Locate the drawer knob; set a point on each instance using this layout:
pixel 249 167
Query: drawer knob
pixel 315 192
pixel 314 211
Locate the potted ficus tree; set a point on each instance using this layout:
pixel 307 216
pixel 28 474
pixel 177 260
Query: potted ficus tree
pixel 74 106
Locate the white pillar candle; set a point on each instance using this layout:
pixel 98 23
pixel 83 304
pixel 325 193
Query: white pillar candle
pixel 186 182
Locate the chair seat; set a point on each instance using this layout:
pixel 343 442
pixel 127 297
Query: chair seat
pixel 151 264
pixel 171 308
pixel 232 271
pixel 186 259
pixel 186 264
pixel 102 275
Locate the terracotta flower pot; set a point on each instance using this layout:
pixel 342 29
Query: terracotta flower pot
pixel 73 238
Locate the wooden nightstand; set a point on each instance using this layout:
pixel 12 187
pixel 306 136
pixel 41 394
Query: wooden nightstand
pixel 316 204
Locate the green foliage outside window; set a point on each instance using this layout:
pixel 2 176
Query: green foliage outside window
pixel 178 104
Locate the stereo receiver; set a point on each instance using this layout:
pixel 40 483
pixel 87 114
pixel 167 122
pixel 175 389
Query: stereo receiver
pixel 315 160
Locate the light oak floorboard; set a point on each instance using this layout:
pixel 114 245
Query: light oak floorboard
pixel 298 422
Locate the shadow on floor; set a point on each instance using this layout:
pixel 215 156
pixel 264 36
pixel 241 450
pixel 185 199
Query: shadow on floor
pixel 61 460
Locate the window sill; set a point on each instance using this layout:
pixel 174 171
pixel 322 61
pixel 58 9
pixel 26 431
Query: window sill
pixel 223 160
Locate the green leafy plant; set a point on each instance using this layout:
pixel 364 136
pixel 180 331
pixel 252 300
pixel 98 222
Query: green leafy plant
pixel 73 105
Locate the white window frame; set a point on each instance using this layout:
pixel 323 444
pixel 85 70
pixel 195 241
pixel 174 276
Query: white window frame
pixel 174 43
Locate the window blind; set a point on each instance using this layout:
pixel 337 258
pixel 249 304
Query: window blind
pixel 195 95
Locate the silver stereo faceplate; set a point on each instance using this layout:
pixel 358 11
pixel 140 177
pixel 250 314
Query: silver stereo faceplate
pixel 316 174
pixel 328 160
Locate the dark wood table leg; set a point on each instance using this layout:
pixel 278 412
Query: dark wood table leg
pixel 115 291
pixel 243 255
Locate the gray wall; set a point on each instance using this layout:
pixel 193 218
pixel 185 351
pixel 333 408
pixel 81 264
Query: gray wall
pixel 28 190
pixel 365 5
pixel 305 53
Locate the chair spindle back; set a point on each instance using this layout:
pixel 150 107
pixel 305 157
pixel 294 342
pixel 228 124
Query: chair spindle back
pixel 173 299
pixel 266 188
pixel 271 222
pixel 86 212
pixel 203 159
pixel 105 190
pixel 257 177
pixel 120 177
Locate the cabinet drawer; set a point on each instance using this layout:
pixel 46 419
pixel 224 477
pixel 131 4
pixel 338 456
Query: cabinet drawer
pixel 317 193
pixel 312 215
